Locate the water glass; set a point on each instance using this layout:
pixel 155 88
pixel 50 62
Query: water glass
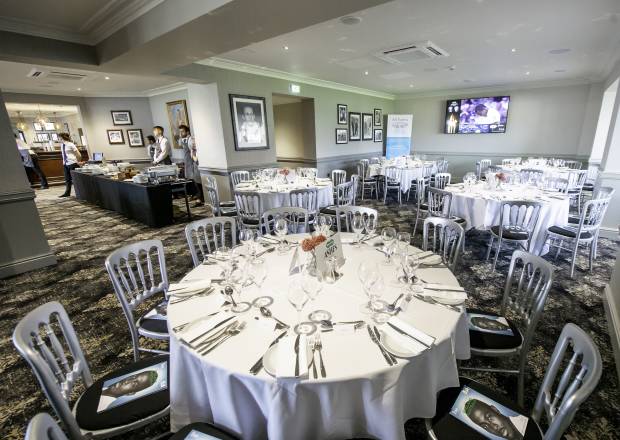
pixel 357 224
pixel 281 229
pixel 388 235
pixel 298 299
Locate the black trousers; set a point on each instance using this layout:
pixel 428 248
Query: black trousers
pixel 68 180
pixel 199 192
pixel 37 169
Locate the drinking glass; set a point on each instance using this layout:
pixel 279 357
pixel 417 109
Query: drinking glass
pixel 281 229
pixel 357 224
pixel 257 273
pixel 371 225
pixel 368 274
pixel 324 223
pixel 233 288
pixel 298 299
pixel 388 235
pixel 312 285
pixel 404 238
pixel 410 264
pixel 246 237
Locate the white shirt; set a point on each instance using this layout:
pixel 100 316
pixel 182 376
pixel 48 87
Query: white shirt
pixel 164 149
pixel 69 153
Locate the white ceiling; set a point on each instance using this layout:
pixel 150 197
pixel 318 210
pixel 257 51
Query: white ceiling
pixel 479 35
pixel 81 21
pixel 26 110
pixel 14 78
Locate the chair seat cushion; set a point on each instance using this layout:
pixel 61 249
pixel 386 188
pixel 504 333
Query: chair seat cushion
pixel 250 221
pixel 510 234
pixel 228 204
pixel 149 324
pixel 446 426
pixel 228 212
pixel 140 408
pixel 496 341
pixel 570 233
pixel 204 428
pixel 458 220
pixel 328 210
pixel 573 220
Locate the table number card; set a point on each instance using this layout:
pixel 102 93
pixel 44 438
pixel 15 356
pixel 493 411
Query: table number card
pixel 330 248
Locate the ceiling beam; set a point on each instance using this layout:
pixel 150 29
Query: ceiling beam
pixel 39 50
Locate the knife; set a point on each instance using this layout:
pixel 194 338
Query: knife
pixel 376 330
pixel 211 329
pixel 373 338
pixel 259 363
pixel 297 355
pixel 444 289
pixel 407 334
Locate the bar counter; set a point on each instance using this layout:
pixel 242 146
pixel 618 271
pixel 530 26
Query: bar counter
pixel 51 165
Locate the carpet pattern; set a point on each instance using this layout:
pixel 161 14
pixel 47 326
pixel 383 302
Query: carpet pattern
pixel 82 235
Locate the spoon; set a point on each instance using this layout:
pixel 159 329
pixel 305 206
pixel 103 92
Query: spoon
pixel 267 314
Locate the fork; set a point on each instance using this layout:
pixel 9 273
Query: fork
pixel 319 347
pixel 314 372
pixel 229 334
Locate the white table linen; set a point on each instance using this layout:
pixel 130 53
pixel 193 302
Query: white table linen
pixel 549 172
pixel 277 195
pixel 480 207
pixel 361 395
pixel 408 174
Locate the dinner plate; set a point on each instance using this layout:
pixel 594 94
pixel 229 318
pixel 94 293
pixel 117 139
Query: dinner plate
pixel 394 347
pixel 271 355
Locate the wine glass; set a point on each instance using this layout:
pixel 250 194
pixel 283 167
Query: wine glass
pixel 368 274
pixel 257 273
pixel 403 240
pixel 281 229
pixel 233 287
pixel 324 223
pixel 371 225
pixel 246 237
pixel 310 284
pixel 410 264
pixel 388 235
pixel 357 224
pixel 298 299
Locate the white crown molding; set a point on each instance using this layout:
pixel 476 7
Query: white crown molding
pixel 175 87
pixel 500 88
pixel 113 16
pixel 280 74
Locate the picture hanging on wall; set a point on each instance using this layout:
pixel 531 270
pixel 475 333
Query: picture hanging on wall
pixel 135 138
pixel 37 126
pixel 378 135
pixel 54 137
pixel 342 136
pixel 121 117
pixel 43 137
pixel 343 111
pixel 249 120
pixel 115 137
pixel 355 122
pixel 50 126
pixel 367 120
pixel 177 115
pixel 378 117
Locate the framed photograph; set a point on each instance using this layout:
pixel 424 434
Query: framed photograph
pixel 22 136
pixel 378 135
pixel 343 114
pixel 355 122
pixel 367 121
pixel 50 126
pixel 37 126
pixel 177 115
pixel 378 117
pixel 43 137
pixel 115 137
pixel 121 117
pixel 55 137
pixel 342 136
pixel 249 120
pixel 135 138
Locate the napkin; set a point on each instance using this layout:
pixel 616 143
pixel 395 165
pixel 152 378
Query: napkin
pixel 424 254
pixel 285 358
pixel 444 287
pixel 206 326
pixel 431 260
pixel 448 295
pixel 411 330
pixel 404 341
pixel 188 287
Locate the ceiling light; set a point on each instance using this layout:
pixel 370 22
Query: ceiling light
pixel 285 47
pixel 79 89
pixel 350 20
pixel 410 85
pixel 513 50
pixel 527 73
pixel 107 77
pixel 366 72
pixel 452 68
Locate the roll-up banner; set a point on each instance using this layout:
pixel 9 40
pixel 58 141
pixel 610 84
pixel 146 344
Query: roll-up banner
pixel 398 138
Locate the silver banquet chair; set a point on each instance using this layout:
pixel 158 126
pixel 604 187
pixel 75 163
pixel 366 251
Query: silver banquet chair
pixel 441 180
pixel 445 238
pixel 338 177
pixel 559 397
pixel 392 181
pixel 307 198
pixel 249 209
pixel 207 235
pixel 138 272
pixel 236 177
pixel 367 183
pixel 527 285
pixel 296 217
pixel 211 181
pixel 44 427
pixel 214 198
pixel 482 167
pixel 47 341
pixel 345 214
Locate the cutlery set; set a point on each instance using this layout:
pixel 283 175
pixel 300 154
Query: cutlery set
pixel 204 292
pixel 374 337
pixel 317 345
pixel 211 339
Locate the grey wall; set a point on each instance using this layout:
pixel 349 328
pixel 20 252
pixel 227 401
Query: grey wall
pixel 294 130
pixel 549 121
pixel 159 114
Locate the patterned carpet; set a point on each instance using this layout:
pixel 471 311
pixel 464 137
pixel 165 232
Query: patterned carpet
pixel 82 236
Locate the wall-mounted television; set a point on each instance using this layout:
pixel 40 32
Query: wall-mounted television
pixel 477 115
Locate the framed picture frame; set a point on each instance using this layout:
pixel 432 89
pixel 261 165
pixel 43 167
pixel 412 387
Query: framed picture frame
pixel 249 122
pixel 43 137
pixel 342 113
pixel 135 137
pixel 115 137
pixel 50 126
pixel 177 115
pixel 355 126
pixel 55 137
pixel 367 124
pixel 121 117
pixel 342 136
pixel 377 135
pixel 378 115
pixel 37 126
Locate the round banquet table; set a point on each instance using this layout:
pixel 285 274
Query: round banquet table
pixel 480 207
pixel 407 175
pixel 276 195
pixel 549 172
pixel 361 394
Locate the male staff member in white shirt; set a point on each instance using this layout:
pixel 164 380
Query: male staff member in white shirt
pixel 70 160
pixel 191 161
pixel 163 155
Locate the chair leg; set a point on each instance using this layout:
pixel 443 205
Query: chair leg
pixel 489 248
pixel 520 386
pixel 574 259
pixel 499 246
pixel 557 252
pixel 415 226
pixel 591 255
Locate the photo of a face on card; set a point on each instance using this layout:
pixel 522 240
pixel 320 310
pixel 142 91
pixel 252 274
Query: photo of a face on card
pixel 489 324
pixel 131 386
pixel 490 418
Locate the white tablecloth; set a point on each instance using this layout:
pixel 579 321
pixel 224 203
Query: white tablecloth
pixel 361 395
pixel 406 177
pixel 548 171
pixel 480 207
pixel 277 195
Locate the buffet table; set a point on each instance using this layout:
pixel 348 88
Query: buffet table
pixel 360 395
pixel 148 204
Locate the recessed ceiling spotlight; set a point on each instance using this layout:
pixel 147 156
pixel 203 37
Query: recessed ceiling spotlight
pixel 79 88
pixel 452 68
pixel 107 77
pixel 558 51
pixel 285 48
pixel 411 85
pixel 366 72
pixel 350 20
pixel 527 73
pixel 513 50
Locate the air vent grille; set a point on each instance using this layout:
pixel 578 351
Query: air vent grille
pixel 54 74
pixel 411 52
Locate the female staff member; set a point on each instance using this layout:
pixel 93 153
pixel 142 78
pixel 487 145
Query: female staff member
pixel 191 161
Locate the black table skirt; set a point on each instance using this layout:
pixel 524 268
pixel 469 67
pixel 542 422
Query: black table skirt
pixel 148 204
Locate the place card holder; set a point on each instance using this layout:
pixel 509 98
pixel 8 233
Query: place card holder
pixel 330 250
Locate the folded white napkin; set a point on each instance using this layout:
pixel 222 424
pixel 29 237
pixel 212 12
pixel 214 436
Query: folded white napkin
pixel 431 261
pixel 188 286
pixel 411 330
pixel 285 358
pixel 206 326
pixel 448 295
pixel 424 254
pixel 404 341
pixel 444 287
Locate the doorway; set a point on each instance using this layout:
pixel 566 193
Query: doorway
pixel 295 139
